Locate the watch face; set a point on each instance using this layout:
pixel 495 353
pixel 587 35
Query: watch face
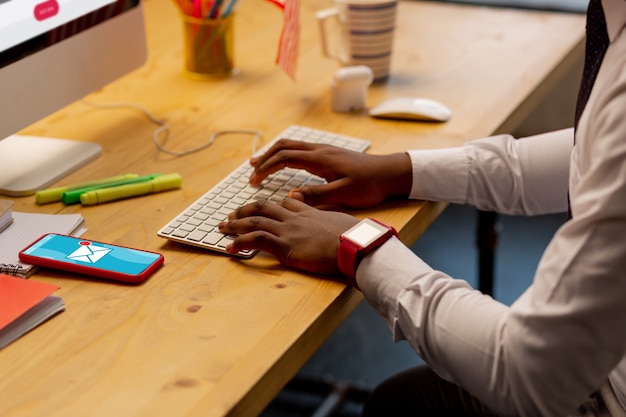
pixel 366 232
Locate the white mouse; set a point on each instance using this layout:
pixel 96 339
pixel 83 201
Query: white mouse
pixel 411 108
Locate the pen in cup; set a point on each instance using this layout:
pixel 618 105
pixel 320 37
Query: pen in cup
pixel 214 12
pixel 206 9
pixel 228 8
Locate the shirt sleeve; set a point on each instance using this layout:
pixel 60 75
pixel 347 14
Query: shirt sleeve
pixel 557 343
pixel 526 176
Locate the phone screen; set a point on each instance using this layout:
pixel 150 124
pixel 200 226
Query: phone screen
pixel 98 255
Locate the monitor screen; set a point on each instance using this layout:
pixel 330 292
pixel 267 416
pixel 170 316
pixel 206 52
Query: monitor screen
pixel 52 53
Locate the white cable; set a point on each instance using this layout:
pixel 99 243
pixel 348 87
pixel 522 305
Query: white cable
pixel 163 127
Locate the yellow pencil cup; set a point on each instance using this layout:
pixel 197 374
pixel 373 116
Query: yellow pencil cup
pixel 208 45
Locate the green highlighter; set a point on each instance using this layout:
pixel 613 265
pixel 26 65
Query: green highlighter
pixel 73 196
pixel 104 195
pixel 55 194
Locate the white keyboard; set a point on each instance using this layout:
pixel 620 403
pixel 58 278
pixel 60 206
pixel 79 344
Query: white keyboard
pixel 197 224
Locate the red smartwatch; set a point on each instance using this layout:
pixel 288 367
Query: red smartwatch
pixel 357 242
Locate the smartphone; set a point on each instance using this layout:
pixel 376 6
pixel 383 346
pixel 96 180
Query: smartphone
pixel 93 258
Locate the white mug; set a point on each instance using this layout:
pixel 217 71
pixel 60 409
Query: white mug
pixel 366 29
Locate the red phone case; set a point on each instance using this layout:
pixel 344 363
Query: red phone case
pixel 92 270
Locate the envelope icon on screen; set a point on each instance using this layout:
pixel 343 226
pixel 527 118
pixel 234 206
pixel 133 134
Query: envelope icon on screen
pixel 88 253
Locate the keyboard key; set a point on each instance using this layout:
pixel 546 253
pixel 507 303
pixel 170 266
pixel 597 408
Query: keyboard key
pixel 197 235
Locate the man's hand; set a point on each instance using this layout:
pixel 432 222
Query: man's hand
pixel 299 236
pixel 354 179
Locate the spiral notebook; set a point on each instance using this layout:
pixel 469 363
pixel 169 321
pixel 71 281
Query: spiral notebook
pixel 25 228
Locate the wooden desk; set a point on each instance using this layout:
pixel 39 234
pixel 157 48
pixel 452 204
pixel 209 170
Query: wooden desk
pixel 208 335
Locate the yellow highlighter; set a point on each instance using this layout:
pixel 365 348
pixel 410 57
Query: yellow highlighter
pixel 51 195
pixel 158 184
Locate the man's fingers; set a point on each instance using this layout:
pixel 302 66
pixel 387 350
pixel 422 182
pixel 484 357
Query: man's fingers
pixel 262 240
pixel 318 195
pixel 286 153
pixel 263 208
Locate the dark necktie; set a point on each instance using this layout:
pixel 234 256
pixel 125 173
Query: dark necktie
pixel 596 44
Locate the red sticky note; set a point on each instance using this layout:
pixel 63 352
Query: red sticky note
pixel 18 295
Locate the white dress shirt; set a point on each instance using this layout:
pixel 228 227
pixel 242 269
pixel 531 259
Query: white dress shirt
pixel 566 334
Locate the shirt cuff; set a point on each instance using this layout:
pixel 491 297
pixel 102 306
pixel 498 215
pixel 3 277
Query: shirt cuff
pixel 440 174
pixel 386 272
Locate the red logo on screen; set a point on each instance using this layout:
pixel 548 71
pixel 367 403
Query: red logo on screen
pixel 46 9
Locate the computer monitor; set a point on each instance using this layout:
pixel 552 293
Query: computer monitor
pixel 52 53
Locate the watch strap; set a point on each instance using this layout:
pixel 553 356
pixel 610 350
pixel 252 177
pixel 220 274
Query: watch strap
pixel 349 254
